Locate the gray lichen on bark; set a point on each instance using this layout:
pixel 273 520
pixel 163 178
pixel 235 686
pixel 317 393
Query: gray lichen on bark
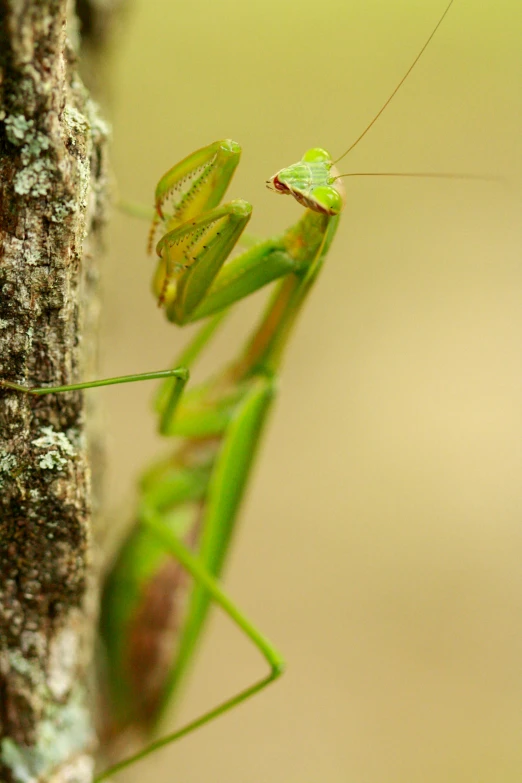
pixel 53 179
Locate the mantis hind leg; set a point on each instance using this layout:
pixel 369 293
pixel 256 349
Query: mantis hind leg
pixel 224 496
pixel 204 578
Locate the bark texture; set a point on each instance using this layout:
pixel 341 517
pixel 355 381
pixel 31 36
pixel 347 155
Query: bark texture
pixel 52 204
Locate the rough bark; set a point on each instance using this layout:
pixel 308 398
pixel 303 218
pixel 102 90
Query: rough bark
pixel 52 205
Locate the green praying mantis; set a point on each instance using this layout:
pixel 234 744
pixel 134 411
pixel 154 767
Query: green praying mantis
pixel 152 615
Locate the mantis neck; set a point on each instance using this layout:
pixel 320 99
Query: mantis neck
pixel 307 242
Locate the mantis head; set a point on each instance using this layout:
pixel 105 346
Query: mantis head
pixel 313 182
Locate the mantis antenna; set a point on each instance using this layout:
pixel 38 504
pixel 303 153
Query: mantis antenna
pixel 396 90
pixel 420 174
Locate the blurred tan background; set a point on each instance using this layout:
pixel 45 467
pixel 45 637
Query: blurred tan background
pixel 380 545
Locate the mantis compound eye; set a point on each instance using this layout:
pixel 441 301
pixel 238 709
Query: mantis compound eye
pixel 328 199
pixel 317 155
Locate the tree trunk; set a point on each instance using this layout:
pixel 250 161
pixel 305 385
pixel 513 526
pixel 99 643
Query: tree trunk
pixel 53 182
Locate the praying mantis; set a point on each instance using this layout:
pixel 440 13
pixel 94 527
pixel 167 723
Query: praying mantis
pixel 188 502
